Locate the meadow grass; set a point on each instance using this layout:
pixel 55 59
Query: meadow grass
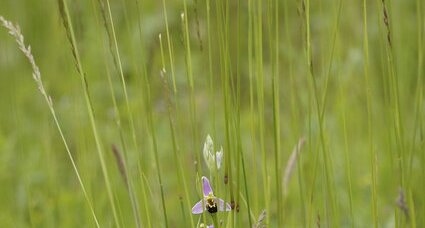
pixel 317 107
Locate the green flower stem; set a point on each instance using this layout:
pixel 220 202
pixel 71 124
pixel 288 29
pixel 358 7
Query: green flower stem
pixel 215 221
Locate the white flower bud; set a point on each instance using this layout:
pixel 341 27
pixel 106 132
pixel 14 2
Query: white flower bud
pixel 213 160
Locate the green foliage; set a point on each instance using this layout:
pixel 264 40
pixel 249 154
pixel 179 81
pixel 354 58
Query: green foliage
pixel 319 107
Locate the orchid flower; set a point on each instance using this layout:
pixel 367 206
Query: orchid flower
pixel 213 161
pixel 209 203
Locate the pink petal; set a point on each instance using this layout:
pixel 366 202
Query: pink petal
pixel 222 204
pixel 206 187
pixel 199 207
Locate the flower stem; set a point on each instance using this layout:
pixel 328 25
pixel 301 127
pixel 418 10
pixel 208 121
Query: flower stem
pixel 215 222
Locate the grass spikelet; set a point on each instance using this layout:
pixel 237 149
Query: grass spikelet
pixel 290 165
pixel 122 167
pixel 402 204
pixel 261 220
pixel 386 22
pixel 120 163
pixel 15 31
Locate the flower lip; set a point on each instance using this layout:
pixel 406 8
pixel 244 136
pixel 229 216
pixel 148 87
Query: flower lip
pixel 212 208
pixel 211 204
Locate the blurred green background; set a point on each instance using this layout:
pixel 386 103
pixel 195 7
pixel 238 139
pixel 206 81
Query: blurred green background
pixel 38 187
